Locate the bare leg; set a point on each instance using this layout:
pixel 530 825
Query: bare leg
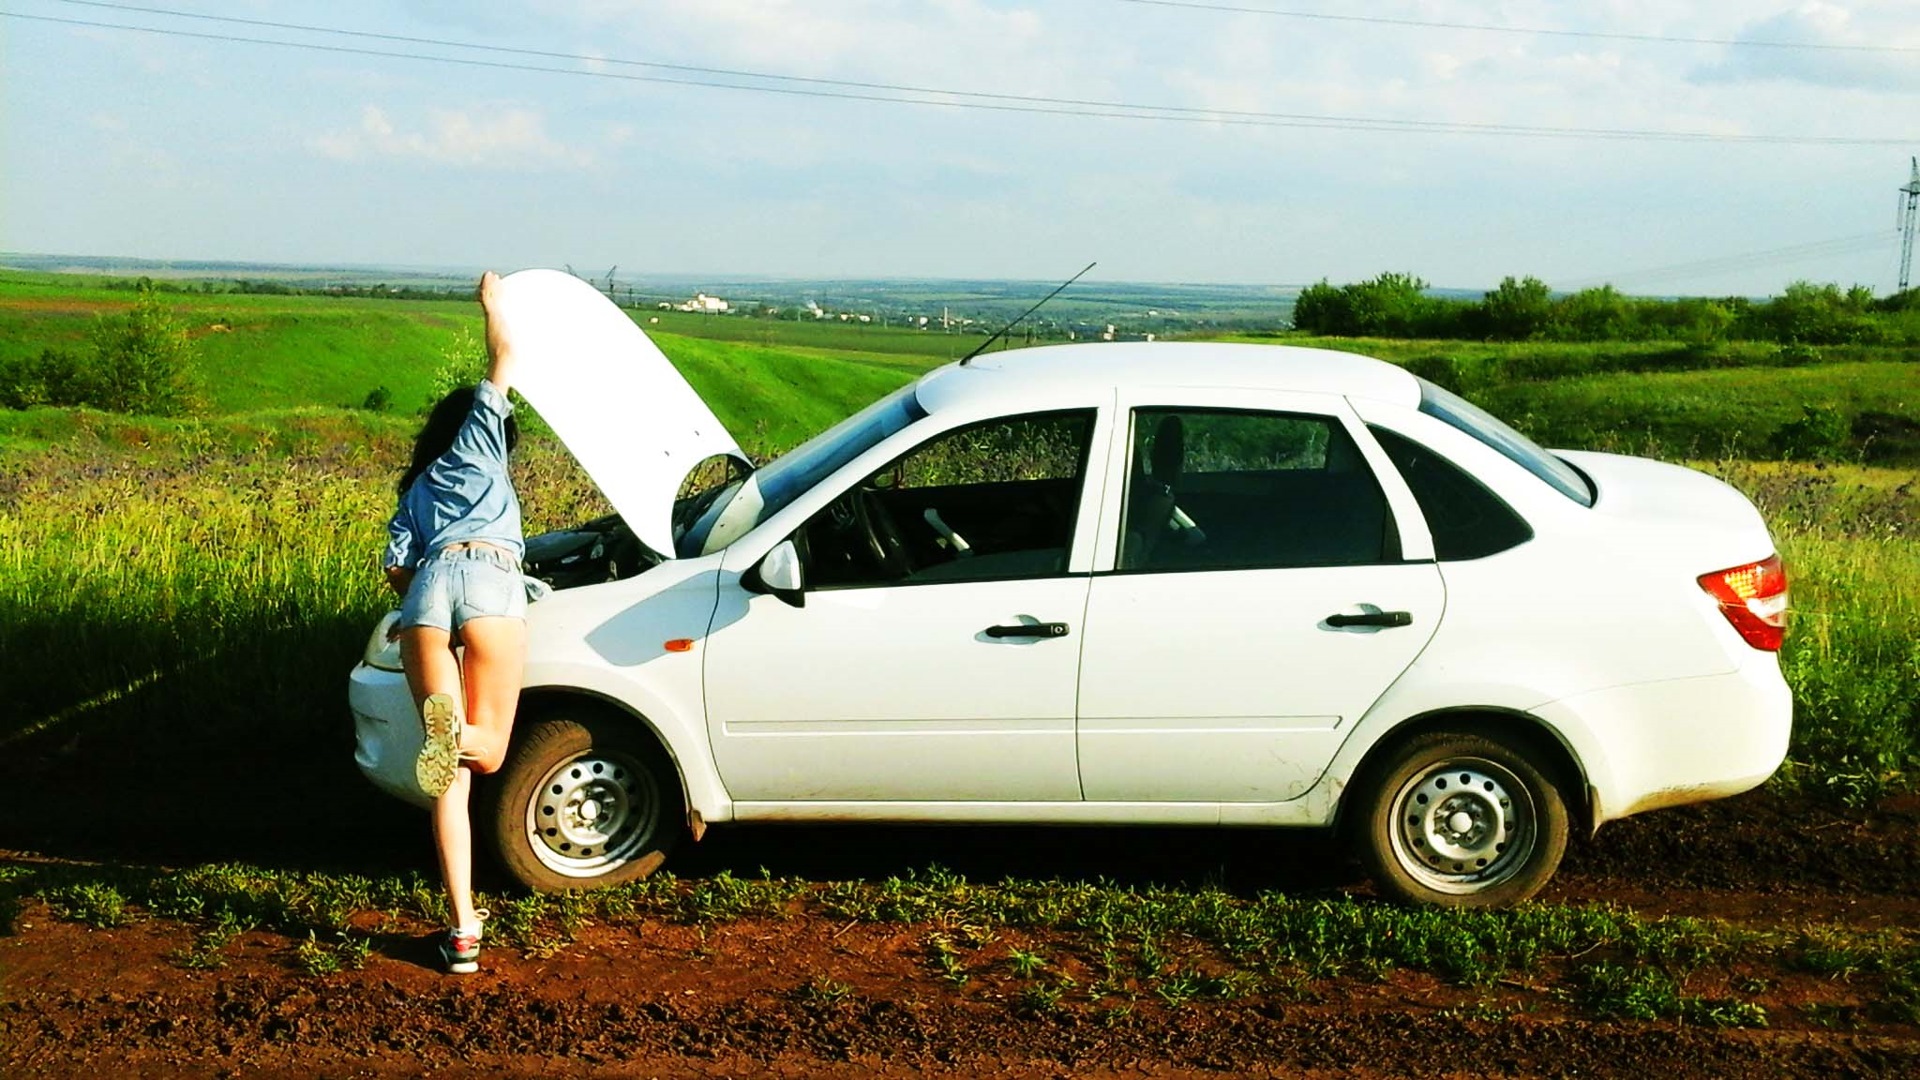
pixel 495 652
pixel 426 653
pixel 432 667
pixel 495 658
pixel 453 842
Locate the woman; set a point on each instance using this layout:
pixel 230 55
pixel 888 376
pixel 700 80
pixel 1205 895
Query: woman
pixel 454 553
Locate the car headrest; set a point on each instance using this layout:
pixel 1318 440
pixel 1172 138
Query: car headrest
pixel 1169 449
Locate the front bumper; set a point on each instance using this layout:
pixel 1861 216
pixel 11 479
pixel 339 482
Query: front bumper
pixel 387 732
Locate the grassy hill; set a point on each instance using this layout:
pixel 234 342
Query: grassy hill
pixel 775 382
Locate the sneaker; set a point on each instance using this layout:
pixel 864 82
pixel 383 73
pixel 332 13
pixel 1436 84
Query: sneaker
pixel 461 951
pixel 440 753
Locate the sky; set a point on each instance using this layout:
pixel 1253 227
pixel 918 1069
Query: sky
pixel 1244 141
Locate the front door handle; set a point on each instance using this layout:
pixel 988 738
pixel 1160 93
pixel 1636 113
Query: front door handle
pixel 1373 618
pixel 1043 629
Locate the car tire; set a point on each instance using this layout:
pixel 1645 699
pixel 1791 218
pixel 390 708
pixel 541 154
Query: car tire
pixel 584 802
pixel 1454 819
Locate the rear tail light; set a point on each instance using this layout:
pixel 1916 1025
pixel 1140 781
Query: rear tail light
pixel 1754 599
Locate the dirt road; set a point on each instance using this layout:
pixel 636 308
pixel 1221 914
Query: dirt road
pixel 810 996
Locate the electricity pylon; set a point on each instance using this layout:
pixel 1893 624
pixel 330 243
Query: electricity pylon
pixel 1912 192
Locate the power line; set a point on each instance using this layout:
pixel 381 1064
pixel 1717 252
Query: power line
pixel 902 94
pixel 1815 249
pixel 1533 31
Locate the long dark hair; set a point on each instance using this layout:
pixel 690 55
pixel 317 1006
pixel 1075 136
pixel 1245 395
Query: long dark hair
pixel 437 434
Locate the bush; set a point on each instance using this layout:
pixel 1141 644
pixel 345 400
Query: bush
pixel 1518 310
pixel 1819 315
pixel 1322 309
pixel 1597 314
pixel 1821 433
pixel 143 362
pixel 1391 305
pixel 52 378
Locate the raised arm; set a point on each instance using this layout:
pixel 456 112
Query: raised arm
pixel 500 357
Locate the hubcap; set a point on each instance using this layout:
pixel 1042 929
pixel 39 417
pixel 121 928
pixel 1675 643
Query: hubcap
pixel 1463 826
pixel 592 813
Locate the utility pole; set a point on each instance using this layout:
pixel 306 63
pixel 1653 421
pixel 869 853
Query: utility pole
pixel 1912 192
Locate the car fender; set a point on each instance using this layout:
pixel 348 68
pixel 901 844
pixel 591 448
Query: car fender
pixel 1407 708
pixel 1418 704
pixel 682 734
pixel 638 644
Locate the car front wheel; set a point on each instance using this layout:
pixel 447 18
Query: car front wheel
pixel 584 802
pixel 1461 820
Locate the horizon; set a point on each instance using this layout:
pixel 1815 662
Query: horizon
pixel 194 269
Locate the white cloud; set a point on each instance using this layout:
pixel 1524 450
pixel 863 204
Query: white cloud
pixel 1850 64
pixel 957 43
pixel 510 139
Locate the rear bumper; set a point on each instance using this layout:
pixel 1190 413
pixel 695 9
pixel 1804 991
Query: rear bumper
pixel 1679 741
pixel 387 734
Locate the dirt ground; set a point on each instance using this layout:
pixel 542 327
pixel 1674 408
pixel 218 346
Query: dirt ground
pixel 659 999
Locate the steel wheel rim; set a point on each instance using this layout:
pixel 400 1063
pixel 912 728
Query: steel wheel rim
pixel 592 813
pixel 1463 826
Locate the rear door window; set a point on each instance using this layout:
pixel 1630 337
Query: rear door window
pixel 1215 489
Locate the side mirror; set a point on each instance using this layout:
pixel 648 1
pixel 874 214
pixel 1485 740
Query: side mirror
pixel 778 574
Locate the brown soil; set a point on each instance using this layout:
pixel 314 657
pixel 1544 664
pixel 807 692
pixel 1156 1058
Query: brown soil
pixel 667 1000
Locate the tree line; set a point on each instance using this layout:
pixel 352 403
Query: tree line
pixel 1521 309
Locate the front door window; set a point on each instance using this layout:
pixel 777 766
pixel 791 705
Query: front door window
pixel 988 502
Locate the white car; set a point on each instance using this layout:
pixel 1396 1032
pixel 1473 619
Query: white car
pixel 1125 584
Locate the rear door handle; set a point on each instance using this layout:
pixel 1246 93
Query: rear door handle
pixel 1044 629
pixel 1373 618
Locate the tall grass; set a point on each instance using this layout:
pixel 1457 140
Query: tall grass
pixel 174 594
pixel 1851 540
pixel 230 580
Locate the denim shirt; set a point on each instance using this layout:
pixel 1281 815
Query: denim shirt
pixel 465 494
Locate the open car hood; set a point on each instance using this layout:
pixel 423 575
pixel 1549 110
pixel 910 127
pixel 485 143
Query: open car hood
pixel 627 416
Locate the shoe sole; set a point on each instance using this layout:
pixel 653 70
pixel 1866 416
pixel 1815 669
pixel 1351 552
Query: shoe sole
pixel 440 753
pixel 462 967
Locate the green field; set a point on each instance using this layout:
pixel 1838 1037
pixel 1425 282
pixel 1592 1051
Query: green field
pixel 160 578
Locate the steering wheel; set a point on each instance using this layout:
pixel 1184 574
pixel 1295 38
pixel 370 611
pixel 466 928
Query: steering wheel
pixel 857 514
pixel 883 536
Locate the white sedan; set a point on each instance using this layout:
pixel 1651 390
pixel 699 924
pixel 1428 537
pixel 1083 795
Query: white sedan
pixel 1124 584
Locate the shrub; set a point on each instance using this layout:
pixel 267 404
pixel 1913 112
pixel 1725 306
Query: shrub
pixel 1518 310
pixel 1821 433
pixel 52 378
pixel 1322 309
pixel 143 362
pixel 1818 315
pixel 1597 314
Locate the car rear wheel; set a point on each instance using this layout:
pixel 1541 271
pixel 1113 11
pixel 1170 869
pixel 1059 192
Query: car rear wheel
pixel 584 802
pixel 1461 820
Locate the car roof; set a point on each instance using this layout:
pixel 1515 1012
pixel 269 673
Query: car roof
pixel 1014 372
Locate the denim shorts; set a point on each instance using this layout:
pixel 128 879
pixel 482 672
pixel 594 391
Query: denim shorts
pixel 454 586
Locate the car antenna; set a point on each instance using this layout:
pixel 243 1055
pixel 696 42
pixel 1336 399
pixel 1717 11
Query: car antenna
pixel 998 334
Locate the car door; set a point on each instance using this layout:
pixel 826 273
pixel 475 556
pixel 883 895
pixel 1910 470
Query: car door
pixel 1263 591
pixel 936 654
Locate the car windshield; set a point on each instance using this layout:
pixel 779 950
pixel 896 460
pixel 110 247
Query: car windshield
pixel 786 477
pixel 1522 451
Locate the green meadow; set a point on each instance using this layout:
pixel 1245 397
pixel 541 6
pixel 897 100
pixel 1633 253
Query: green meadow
pixel 164 581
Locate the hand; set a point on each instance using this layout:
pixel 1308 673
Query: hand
pixel 499 340
pixel 399 578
